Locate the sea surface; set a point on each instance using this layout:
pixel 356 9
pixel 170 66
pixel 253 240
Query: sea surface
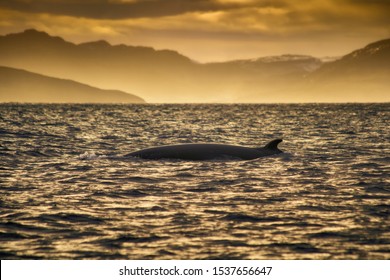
pixel 68 192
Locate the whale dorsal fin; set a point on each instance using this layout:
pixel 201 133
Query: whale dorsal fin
pixel 273 145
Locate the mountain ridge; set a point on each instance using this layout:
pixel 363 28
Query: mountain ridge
pixel 17 85
pixel 168 76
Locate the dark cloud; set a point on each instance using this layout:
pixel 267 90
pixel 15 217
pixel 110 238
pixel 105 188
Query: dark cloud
pixel 208 29
pixel 120 9
pixel 370 2
pixel 116 9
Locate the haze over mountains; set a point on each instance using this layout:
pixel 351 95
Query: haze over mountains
pixel 23 86
pixel 167 76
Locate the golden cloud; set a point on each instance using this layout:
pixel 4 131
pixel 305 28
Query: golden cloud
pixel 232 28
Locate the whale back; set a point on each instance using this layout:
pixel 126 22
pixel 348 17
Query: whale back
pixel 197 152
pixel 207 151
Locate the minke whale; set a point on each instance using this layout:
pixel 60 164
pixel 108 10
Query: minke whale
pixel 207 152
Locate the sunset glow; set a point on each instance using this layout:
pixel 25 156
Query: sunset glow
pixel 209 30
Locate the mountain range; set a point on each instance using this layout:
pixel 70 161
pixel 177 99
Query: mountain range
pixel 22 86
pixel 167 76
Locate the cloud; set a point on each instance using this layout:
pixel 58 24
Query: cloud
pixel 247 15
pixel 116 9
pixel 205 29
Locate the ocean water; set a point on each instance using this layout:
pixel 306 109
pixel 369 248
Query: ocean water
pixel 67 192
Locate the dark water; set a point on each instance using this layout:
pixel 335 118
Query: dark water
pixel 67 193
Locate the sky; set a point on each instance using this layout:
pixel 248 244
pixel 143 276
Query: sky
pixel 209 30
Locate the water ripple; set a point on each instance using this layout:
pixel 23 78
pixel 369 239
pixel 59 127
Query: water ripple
pixel 67 190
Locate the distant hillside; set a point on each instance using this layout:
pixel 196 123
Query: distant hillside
pixel 131 69
pixel 23 86
pixel 372 60
pixel 360 75
pixel 167 76
pixel 157 75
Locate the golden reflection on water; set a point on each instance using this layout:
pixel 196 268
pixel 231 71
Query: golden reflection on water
pixel 324 198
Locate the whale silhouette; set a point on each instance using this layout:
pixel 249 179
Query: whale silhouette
pixel 207 152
